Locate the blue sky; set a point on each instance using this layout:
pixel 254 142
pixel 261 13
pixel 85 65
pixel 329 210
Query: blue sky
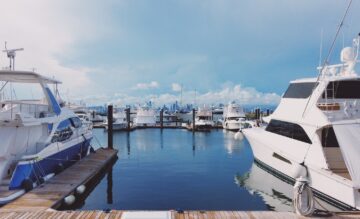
pixel 135 50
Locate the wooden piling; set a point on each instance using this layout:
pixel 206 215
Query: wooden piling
pixel 162 118
pixel 127 110
pixel 110 126
pixel 193 122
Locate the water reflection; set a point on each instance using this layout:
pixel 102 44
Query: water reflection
pixel 276 193
pixel 232 145
pixel 273 191
pixel 128 142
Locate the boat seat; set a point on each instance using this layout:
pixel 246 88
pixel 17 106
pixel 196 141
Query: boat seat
pixel 336 161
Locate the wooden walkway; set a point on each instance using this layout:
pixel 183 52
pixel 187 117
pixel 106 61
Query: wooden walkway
pixel 158 215
pixel 52 193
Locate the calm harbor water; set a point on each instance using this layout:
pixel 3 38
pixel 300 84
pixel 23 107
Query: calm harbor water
pixel 175 169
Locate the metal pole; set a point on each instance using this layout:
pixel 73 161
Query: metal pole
pixel 110 126
pixel 162 118
pixel 127 110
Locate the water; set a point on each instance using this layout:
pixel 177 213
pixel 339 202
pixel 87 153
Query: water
pixel 174 169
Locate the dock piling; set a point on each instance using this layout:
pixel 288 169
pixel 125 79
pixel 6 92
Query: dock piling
pixel 110 126
pixel 127 110
pixel 162 118
pixel 193 118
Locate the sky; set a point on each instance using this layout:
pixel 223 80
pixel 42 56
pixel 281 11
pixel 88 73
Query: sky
pixel 132 51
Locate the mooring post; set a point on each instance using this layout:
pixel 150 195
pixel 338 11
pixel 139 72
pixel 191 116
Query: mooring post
pixel 110 126
pixel 162 118
pixel 127 110
pixel 193 122
pixel 267 112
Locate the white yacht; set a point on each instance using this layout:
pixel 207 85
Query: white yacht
pixel 315 133
pixel 234 117
pixel 145 116
pixel 39 138
pixel 84 114
pixel 119 120
pixel 203 119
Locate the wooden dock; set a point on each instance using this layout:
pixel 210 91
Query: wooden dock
pixel 160 214
pixel 52 193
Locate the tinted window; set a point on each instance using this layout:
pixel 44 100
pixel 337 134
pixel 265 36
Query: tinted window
pixel 343 90
pixel 328 138
pixel 288 129
pixel 76 122
pixel 300 90
pixel 63 131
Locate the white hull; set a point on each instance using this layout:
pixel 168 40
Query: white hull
pixel 335 189
pixel 233 126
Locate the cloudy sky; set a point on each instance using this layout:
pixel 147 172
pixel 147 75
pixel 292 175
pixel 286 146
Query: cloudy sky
pixel 136 50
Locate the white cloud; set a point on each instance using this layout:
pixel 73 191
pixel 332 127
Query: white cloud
pixel 176 87
pixel 242 95
pixel 146 86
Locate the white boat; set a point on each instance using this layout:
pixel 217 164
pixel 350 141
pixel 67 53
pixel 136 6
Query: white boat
pixel 145 116
pixel 203 119
pixel 119 120
pixel 315 133
pixel 84 114
pixel 234 117
pixel 39 138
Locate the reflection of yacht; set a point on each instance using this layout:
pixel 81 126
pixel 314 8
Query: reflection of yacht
pixel 38 136
pixel 276 192
pixel 145 116
pixel 233 117
pixel 203 119
pixel 315 133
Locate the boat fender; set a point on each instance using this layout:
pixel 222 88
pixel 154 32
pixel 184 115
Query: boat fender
pixel 239 136
pixel 303 199
pixel 298 170
pixel 69 200
pixel 80 189
pixel 27 184
pixel 59 168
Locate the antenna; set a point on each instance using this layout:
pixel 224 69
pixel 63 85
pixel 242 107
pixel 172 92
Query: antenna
pixel 11 53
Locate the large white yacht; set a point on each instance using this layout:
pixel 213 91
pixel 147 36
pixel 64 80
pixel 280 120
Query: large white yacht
pixel 315 133
pixel 39 138
pixel 203 119
pixel 145 116
pixel 234 117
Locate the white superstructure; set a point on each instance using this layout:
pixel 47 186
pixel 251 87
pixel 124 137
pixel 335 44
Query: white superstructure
pixel 315 132
pixel 234 117
pixel 203 119
pixel 145 116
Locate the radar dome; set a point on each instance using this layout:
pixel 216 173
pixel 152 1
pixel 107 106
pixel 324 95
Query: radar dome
pixel 347 54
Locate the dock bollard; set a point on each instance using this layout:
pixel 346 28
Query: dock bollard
pixel 110 126
pixel 162 118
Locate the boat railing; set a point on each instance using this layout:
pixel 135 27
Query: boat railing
pixel 37 110
pixel 340 109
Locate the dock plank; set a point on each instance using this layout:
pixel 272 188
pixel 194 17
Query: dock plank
pixel 51 193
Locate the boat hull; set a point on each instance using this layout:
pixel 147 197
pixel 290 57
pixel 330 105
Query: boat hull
pixel 329 187
pixel 56 162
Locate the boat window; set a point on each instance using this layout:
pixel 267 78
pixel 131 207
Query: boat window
pixel 63 131
pixel 343 90
pixel 288 129
pixel 76 122
pixel 300 90
pixel 328 138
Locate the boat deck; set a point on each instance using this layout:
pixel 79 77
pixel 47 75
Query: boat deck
pixel 52 193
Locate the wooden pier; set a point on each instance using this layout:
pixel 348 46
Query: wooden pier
pixel 161 214
pixel 51 193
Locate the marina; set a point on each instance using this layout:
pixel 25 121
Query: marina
pixel 180 109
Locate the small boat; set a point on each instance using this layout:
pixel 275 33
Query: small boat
pixel 234 117
pixel 314 133
pixel 39 137
pixel 145 117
